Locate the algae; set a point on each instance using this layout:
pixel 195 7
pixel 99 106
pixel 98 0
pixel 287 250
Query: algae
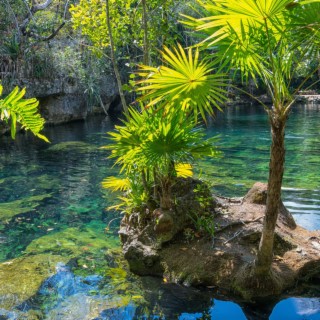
pixel 73 146
pixel 72 241
pixel 22 277
pixel 47 182
pixel 42 182
pixel 8 210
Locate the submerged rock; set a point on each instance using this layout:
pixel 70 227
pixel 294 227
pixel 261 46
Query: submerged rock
pixel 73 242
pixel 8 210
pixel 73 146
pixel 194 260
pixel 21 278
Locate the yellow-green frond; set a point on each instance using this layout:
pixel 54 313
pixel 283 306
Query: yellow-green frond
pixel 116 184
pixel 183 170
pixel 184 81
pixel 23 111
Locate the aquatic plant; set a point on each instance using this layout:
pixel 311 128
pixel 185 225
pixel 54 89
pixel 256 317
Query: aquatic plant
pixel 8 210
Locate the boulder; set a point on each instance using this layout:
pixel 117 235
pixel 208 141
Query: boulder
pixel 258 195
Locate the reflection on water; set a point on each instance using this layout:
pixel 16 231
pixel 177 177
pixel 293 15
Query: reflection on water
pixel 51 203
pixel 297 309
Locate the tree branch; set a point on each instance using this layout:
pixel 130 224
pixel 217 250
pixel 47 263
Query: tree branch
pixel 31 11
pixel 39 7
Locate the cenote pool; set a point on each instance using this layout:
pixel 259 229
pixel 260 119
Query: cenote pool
pixel 58 260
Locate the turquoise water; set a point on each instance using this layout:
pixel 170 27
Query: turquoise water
pixel 52 203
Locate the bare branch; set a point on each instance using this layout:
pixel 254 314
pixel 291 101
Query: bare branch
pixel 39 7
pixel 65 10
pixel 51 36
pixel 31 11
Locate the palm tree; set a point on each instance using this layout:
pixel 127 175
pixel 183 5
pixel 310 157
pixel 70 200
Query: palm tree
pixel 152 149
pixel 265 39
pixel 163 140
pixel 23 111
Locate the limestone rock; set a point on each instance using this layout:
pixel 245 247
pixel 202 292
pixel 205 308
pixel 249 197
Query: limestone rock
pixel 143 260
pixel 21 278
pixel 228 262
pixel 258 195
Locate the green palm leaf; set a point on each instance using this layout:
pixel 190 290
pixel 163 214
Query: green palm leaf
pixel 116 184
pixel 261 38
pixel 185 81
pixel 23 111
pixel 155 139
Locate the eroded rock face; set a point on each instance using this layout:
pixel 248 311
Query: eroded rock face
pixel 144 234
pixel 196 260
pixel 64 100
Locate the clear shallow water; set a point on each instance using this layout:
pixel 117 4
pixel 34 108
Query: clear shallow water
pixel 61 182
pixel 245 142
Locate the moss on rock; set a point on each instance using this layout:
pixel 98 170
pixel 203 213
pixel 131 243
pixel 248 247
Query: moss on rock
pixel 22 277
pixel 10 209
pixel 73 146
pixel 73 242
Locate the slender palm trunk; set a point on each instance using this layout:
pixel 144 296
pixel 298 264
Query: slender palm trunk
pixel 113 60
pixel 146 54
pixel 276 169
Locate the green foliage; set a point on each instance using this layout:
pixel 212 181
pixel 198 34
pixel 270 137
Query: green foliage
pixel 23 111
pixel 126 22
pixel 90 17
pixel 10 47
pixel 135 195
pixel 204 225
pixel 266 39
pixel 187 83
pixel 154 147
pixel 154 139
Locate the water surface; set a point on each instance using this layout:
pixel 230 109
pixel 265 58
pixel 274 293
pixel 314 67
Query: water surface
pixel 60 208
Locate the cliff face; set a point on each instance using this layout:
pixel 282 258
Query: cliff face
pixel 69 81
pixel 64 100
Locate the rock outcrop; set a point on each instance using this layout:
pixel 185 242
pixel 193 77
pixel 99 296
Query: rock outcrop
pixel 63 100
pixel 192 259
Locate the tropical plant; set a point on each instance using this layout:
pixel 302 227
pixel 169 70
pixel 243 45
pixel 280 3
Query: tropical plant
pixel 158 146
pixel 185 82
pixel 268 39
pixel 23 111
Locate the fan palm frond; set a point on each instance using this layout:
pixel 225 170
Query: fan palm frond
pixel 116 184
pixel 261 38
pixel 185 81
pixel 184 170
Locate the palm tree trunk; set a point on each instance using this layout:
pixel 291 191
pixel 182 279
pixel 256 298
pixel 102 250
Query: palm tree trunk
pixel 113 60
pixel 146 55
pixel 276 169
